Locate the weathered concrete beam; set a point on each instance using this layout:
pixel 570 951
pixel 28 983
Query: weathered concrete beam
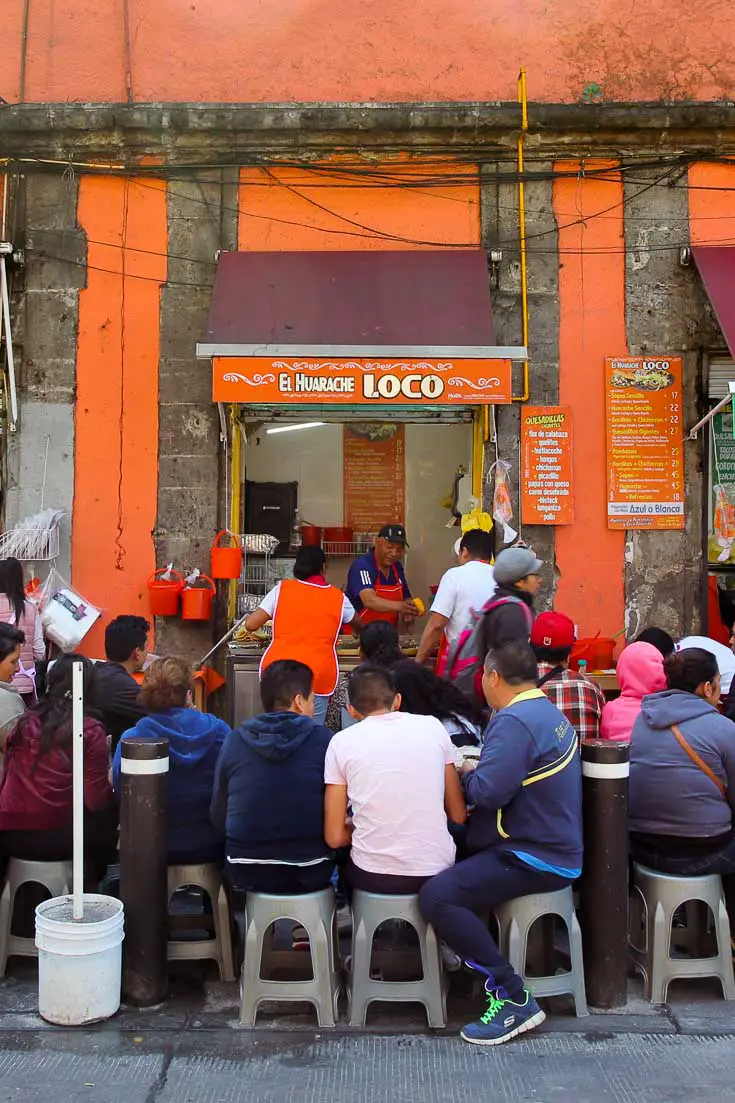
pixel 209 132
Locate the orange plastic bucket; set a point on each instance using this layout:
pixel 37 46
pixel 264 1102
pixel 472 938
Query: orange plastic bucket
pixel 226 562
pixel 597 651
pixel 163 593
pixel 196 601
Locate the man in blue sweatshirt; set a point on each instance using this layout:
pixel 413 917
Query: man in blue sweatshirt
pixel 524 835
pixel 269 790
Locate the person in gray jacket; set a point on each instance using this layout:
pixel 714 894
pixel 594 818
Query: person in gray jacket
pixel 11 702
pixel 682 775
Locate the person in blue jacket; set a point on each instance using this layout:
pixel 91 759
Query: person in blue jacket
pixel 523 836
pixel 269 790
pixel 195 740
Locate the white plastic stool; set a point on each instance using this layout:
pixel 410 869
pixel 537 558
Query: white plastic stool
pixel 515 919
pixel 316 912
pixel 219 948
pixel 54 876
pixel 660 895
pixel 369 910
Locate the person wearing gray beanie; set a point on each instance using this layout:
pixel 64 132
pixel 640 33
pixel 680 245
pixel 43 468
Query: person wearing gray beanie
pixel 510 616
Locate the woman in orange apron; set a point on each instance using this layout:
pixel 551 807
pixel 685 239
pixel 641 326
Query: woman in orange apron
pixel 307 615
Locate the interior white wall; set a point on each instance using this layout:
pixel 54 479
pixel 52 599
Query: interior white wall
pixel 313 458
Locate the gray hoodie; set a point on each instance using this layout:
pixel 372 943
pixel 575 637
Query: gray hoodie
pixel 669 794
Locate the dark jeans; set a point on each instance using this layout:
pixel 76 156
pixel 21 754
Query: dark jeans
pixel 100 844
pixel 458 901
pixel 385 884
pixel 279 880
pixel 694 865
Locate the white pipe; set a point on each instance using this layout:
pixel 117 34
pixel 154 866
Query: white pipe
pixel 8 345
pixel 715 410
pixel 78 788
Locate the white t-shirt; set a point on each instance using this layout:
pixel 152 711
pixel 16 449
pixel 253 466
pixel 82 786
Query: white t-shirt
pixel 463 590
pixel 269 602
pixel 724 656
pixel 393 767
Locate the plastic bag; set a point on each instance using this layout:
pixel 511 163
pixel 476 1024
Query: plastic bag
pixel 66 616
pixel 502 508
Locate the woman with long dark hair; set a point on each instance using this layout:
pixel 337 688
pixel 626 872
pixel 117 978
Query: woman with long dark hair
pixel 423 693
pixel 16 610
pixel 307 614
pixel 682 775
pixel 36 788
pixel 379 645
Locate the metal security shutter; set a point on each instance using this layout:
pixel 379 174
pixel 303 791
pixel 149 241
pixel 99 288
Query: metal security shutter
pixel 721 372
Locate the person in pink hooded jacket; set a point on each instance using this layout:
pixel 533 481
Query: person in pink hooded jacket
pixel 640 671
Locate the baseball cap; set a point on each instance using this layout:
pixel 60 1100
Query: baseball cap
pixel 396 534
pixel 513 564
pixel 553 630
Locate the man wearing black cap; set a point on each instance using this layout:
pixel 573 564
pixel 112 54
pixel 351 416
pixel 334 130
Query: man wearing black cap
pixel 376 584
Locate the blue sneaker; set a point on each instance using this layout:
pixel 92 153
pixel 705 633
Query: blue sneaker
pixel 503 1020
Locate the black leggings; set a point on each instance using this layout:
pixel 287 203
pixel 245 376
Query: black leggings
pixel 100 843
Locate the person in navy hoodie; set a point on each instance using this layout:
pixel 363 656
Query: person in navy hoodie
pixel 195 740
pixel 524 835
pixel 269 790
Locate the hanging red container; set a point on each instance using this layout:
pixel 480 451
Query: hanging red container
pixel 164 593
pixel 196 601
pixel 226 562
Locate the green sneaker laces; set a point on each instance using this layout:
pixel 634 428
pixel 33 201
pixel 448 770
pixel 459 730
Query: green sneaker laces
pixel 493 1007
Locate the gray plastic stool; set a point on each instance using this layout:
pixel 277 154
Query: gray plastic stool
pixel 515 920
pixel 370 910
pixel 316 912
pixel 54 876
pixel 219 948
pixel 660 895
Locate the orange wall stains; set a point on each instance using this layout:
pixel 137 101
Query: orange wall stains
pixel 116 431
pixel 309 209
pixel 589 557
pixel 712 204
pixel 337 50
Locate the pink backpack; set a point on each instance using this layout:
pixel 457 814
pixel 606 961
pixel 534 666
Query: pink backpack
pixel 466 657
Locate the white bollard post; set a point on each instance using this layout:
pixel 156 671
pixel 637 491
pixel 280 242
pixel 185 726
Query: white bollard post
pixel 78 790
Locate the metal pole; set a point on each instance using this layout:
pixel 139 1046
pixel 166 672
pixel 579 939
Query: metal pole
pixel 77 704
pixel 144 868
pixel 604 889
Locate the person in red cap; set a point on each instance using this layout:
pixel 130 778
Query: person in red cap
pixel 581 700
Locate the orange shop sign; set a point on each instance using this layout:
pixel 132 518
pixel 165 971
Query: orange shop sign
pixel 263 379
pixel 546 477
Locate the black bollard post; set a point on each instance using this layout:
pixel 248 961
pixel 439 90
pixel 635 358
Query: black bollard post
pixel 144 868
pixel 604 888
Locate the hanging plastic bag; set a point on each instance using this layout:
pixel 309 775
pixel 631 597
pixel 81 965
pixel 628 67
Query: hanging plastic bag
pixel 66 616
pixel 502 507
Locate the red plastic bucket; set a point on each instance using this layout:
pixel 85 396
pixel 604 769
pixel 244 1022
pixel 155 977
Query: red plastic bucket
pixel 311 535
pixel 226 562
pixel 597 651
pixel 196 601
pixel 163 593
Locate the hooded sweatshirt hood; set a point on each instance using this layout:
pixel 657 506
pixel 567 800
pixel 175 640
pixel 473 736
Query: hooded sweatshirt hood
pixel 276 735
pixel 640 671
pixel 191 734
pixel 674 706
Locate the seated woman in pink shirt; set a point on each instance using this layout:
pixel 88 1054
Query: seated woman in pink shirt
pixel 398 773
pixel 640 671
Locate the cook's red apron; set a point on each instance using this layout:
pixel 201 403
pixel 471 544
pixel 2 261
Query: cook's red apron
pixel 389 591
pixel 442 656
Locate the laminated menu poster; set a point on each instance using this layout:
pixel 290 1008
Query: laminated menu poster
pixel 546 475
pixel 374 475
pixel 645 450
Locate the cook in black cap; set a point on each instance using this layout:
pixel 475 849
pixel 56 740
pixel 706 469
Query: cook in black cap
pixel 376 584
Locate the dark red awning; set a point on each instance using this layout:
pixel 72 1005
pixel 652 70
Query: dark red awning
pixel 716 264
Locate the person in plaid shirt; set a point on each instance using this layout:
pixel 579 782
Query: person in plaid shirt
pixel 581 700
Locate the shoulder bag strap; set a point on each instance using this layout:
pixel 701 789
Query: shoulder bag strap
pixel 547 677
pixel 698 762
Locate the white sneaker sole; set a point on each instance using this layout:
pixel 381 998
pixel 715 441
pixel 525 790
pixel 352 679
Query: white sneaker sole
pixel 529 1024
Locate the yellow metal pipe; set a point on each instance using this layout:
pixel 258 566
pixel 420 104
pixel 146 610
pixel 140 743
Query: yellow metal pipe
pixel 523 100
pixel 235 496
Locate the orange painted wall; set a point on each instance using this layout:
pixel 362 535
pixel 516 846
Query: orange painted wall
pixel 278 208
pixel 339 50
pixel 589 557
pixel 116 430
pixel 712 204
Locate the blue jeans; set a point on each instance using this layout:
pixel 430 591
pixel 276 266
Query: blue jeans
pixel 321 704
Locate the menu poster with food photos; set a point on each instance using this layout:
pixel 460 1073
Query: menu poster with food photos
pixel 374 475
pixel 645 446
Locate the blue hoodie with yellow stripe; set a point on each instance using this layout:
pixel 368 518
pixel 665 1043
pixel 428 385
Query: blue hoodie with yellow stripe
pixel 527 787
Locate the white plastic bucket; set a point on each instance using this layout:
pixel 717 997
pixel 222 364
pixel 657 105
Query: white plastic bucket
pixel 79 961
